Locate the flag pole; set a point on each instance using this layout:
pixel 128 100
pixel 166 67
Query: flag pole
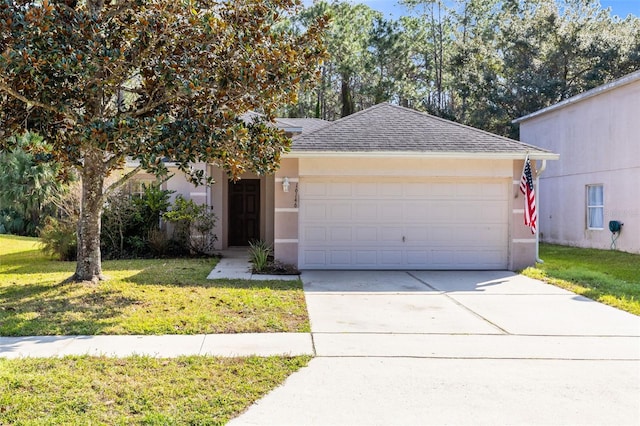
pixel 543 166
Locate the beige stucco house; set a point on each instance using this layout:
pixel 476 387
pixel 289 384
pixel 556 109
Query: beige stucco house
pixel 385 188
pixel 597 179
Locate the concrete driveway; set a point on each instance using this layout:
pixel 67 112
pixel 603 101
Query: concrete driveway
pixel 447 347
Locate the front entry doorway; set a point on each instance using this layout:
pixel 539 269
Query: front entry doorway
pixel 244 211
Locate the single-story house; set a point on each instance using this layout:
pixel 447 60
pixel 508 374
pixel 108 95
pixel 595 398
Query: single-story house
pixel 385 188
pixel 597 179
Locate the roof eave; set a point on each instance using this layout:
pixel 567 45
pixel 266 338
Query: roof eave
pixel 534 155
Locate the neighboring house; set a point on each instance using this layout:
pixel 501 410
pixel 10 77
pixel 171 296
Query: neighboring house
pixel 385 188
pixel 597 179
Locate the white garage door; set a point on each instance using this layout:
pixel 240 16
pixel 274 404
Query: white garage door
pixel 356 224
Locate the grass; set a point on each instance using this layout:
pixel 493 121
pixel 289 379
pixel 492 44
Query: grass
pixel 165 296
pixel 136 390
pixel 610 277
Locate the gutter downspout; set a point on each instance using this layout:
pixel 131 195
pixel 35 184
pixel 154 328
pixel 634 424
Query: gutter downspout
pixel 538 173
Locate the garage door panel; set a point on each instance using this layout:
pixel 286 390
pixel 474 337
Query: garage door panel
pixel 315 189
pixel 416 211
pixel 391 258
pixel 402 225
pixel 390 212
pixel 493 192
pixel 340 211
pixel 389 189
pixel 365 211
pixel 340 234
pixel 390 234
pixel 314 211
pixel 418 191
pixel 416 235
pixel 417 258
pixel 339 189
pixel 314 258
pixel 314 234
pixel 365 190
pixel 340 257
pixel 441 212
pixel 366 234
pixel 366 257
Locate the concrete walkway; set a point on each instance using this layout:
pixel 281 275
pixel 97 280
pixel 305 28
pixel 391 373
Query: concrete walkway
pixel 414 348
pixel 235 264
pixel 222 345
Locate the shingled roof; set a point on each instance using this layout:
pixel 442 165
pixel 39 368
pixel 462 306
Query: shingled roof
pixel 306 124
pixel 386 128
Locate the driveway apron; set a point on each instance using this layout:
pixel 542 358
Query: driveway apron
pixel 444 347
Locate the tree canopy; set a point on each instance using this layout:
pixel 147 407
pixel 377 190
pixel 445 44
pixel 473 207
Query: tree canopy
pixel 103 81
pixel 479 62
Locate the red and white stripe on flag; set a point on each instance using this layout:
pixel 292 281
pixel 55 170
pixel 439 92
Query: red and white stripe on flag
pixel 526 187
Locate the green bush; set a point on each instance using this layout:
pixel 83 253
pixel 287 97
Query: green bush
pixel 192 227
pixel 59 238
pixel 158 242
pixel 28 186
pixel 259 254
pixel 127 221
pixel 11 222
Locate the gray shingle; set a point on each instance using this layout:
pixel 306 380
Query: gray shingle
pixel 385 127
pixel 307 124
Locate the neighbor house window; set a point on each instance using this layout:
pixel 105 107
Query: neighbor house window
pixel 137 185
pixel 595 207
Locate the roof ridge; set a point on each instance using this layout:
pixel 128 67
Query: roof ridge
pixel 340 120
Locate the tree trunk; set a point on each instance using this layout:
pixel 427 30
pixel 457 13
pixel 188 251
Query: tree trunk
pixel 346 97
pixel 89 264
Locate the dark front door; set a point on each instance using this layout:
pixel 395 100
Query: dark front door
pixel 244 211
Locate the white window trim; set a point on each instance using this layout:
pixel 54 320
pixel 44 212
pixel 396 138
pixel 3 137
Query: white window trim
pixel 594 206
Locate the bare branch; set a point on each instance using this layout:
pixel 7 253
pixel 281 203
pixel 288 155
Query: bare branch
pixel 14 94
pixel 117 184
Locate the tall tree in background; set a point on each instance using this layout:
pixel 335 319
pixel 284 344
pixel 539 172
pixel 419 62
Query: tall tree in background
pixel 553 50
pixel 475 63
pixel 479 62
pixel 344 73
pixel 148 79
pixel 435 36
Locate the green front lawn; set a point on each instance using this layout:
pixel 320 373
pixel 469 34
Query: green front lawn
pixel 157 296
pixel 136 390
pixel 608 276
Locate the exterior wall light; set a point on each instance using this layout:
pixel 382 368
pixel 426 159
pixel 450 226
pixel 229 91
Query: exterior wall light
pixel 285 184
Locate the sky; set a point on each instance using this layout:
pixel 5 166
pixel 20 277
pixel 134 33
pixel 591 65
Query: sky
pixel 390 7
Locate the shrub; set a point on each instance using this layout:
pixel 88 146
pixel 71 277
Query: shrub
pixel 259 254
pixel 128 220
pixel 11 222
pixel 59 238
pixel 27 186
pixel 58 234
pixel 158 242
pixel 192 226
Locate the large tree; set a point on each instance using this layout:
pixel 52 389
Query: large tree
pixel 103 80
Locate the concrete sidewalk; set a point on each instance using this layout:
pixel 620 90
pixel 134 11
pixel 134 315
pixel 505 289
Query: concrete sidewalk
pixel 223 345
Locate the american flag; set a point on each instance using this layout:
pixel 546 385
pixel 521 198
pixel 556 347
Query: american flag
pixel 526 187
